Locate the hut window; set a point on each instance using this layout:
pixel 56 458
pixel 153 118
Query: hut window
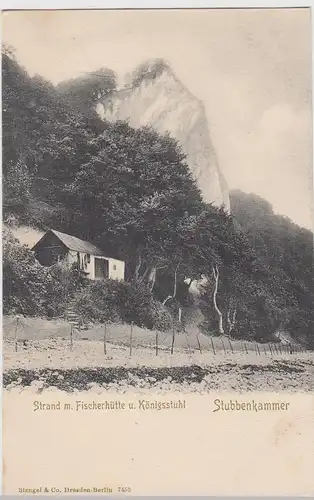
pixel 114 267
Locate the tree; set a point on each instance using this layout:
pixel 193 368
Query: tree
pixel 17 188
pixel 138 184
pixel 85 91
pixel 44 139
pixel 285 254
pixel 149 69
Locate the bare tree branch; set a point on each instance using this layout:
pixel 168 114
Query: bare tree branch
pixel 152 278
pixel 231 321
pixel 153 275
pixel 216 277
pixel 174 286
pixel 142 278
pixel 138 266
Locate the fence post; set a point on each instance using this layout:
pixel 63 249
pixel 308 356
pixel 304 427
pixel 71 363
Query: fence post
pixel 131 337
pixel 15 334
pixel 156 343
pixel 172 342
pixel 199 344
pixel 245 348
pixel 257 347
pixel 271 352
pixel 214 351
pixel 223 345
pixel 230 345
pixel 180 314
pixel 105 339
pixel 71 336
pixel 187 340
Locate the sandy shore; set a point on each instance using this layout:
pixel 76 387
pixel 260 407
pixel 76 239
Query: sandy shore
pixel 53 364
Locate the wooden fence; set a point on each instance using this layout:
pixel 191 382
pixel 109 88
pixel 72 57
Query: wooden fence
pixel 133 337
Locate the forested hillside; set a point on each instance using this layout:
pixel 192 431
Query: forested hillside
pixel 130 191
pixel 287 251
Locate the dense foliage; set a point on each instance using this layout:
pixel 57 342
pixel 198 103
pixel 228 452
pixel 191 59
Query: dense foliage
pixel 44 139
pixel 86 90
pixel 130 191
pixel 149 70
pixel 285 250
pixel 121 301
pixel 31 289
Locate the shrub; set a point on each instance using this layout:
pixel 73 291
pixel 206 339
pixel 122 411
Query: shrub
pixel 111 300
pixel 64 281
pixel 97 303
pixel 301 326
pixel 24 280
pixel 31 289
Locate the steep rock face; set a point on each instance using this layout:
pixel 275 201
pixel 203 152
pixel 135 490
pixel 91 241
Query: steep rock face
pixel 26 235
pixel 156 98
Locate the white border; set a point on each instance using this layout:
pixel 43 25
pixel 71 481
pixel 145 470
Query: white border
pixel 138 4
pixel 149 4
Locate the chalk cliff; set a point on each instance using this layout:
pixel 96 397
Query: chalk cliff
pixel 155 97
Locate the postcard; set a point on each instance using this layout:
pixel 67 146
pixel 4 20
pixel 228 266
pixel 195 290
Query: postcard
pixel 158 323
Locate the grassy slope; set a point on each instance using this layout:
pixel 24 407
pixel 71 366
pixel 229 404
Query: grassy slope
pixel 42 358
pixel 39 329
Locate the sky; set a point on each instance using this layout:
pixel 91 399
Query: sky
pixel 250 67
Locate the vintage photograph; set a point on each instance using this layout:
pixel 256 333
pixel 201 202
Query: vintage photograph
pixel 157 201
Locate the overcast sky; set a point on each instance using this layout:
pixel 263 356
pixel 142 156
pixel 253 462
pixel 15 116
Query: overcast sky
pixel 251 68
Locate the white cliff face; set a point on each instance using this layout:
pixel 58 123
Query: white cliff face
pixel 167 106
pixel 26 235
